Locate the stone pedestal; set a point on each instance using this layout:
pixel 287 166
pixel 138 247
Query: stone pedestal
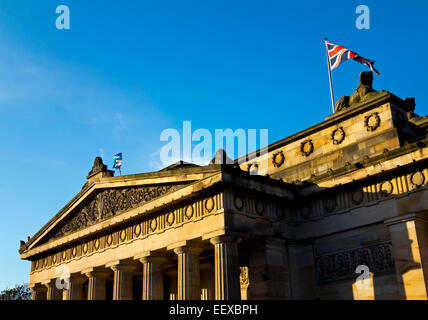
pixel 188 287
pixel 122 283
pixel 152 277
pixel 226 263
pixel 409 236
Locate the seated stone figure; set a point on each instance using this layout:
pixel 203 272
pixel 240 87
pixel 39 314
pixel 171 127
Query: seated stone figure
pixel 363 92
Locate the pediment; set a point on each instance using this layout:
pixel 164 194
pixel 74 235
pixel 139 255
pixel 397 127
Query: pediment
pixel 103 204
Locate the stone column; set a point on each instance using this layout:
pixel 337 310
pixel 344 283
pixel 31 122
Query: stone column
pixel 189 277
pixel 152 277
pixel 227 285
pixel 37 292
pixel 96 284
pixel 75 290
pixel 122 283
pixel 52 292
pixel 409 236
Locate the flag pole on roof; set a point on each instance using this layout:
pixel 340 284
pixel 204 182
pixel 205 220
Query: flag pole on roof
pixel 338 54
pixel 329 76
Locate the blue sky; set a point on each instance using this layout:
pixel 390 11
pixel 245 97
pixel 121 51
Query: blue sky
pixel 126 70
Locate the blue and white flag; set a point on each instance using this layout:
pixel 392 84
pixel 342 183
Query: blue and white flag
pixel 117 161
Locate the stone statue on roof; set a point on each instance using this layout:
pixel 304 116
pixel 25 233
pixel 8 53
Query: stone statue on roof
pixel 364 92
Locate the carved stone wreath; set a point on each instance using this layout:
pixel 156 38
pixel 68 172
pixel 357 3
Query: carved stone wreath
pixel 153 225
pixel 96 245
pixel 260 207
pixel 386 188
pixel 338 135
pixel 209 204
pixel 357 197
pixel 278 159
pixel 239 203
pixel 189 212
pixel 330 204
pixel 137 230
pixel 372 121
pixel 170 218
pixel 122 235
pixel 306 148
pixel 417 179
pixel 109 240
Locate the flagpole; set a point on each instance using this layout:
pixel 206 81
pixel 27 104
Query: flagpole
pixel 329 76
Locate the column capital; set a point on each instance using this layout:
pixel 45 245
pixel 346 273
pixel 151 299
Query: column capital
pixel 77 278
pixel 93 272
pixel 150 256
pixel 188 249
pixel 121 266
pixel 223 239
pixel 153 259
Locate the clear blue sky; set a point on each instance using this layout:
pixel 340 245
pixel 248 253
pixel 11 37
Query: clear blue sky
pixel 129 69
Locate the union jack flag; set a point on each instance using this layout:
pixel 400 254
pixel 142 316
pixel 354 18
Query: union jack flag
pixel 338 54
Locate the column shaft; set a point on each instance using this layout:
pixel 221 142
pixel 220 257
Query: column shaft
pixel 227 285
pixel 52 292
pixel 152 278
pixel 188 287
pixel 75 290
pixel 122 283
pixel 96 286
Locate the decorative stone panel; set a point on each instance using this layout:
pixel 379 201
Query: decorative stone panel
pixel 342 265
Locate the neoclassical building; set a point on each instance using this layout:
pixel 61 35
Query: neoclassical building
pixel 305 218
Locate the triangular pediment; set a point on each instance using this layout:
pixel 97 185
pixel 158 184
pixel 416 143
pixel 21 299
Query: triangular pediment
pixel 106 203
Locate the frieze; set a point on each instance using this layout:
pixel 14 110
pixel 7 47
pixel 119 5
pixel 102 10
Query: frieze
pixel 334 202
pixel 108 203
pixel 342 265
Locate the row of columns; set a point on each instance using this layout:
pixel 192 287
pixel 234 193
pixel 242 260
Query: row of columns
pixel 226 275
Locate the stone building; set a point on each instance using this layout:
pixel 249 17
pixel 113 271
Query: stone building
pixel 299 221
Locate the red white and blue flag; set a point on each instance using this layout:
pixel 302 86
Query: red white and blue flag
pixel 338 54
